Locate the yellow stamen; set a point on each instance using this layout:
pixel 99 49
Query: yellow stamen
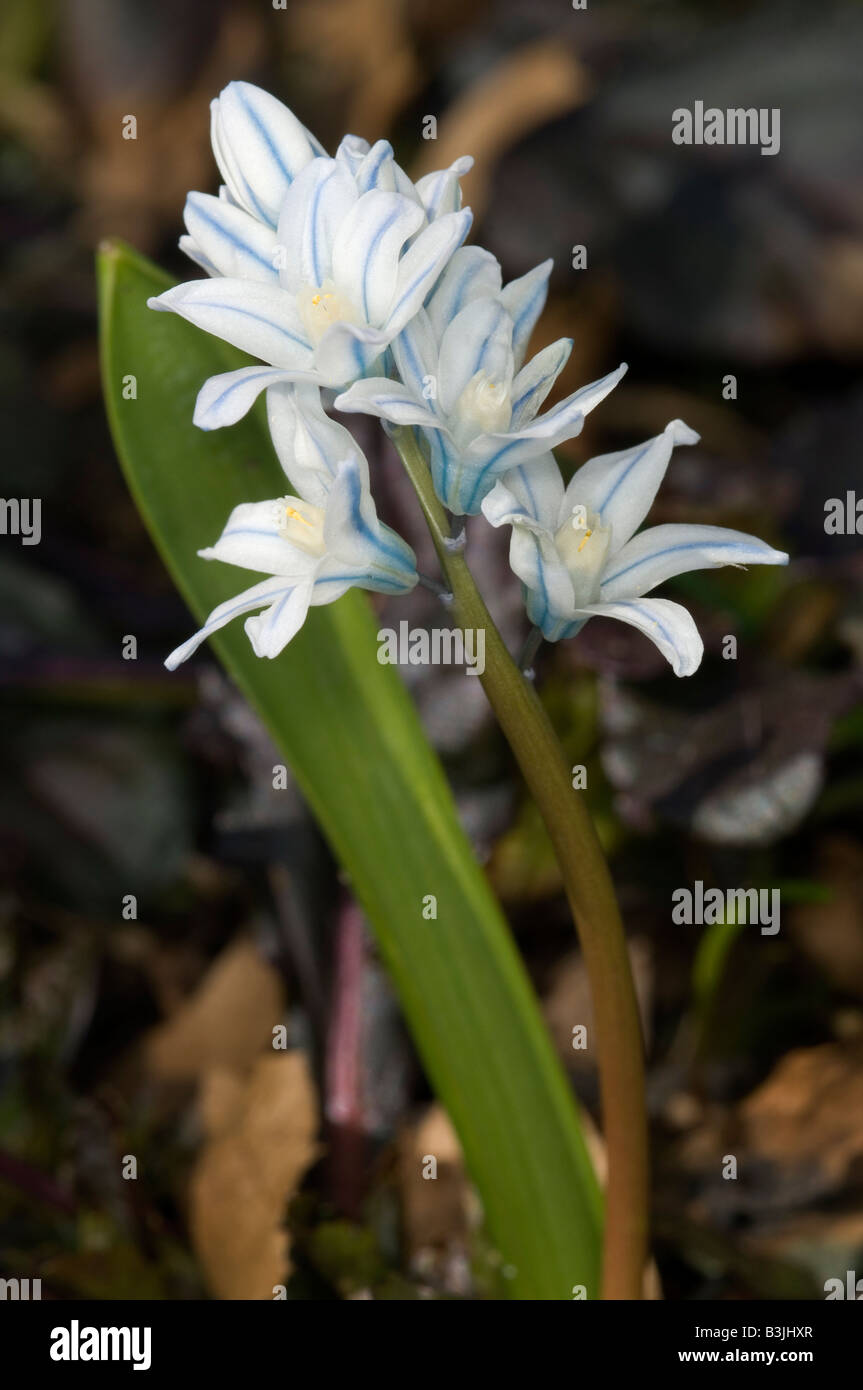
pixel 586 538
pixel 296 516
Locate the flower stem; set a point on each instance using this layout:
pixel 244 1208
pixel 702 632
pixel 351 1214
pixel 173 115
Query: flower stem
pixel 530 649
pixel 591 897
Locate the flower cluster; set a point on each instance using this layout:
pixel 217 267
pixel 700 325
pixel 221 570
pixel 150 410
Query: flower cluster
pixel 341 275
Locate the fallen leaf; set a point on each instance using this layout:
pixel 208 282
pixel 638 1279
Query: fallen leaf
pixel 226 1022
pixel 262 1137
pixel 807 1117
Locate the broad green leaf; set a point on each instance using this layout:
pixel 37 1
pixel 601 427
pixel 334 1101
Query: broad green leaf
pixel 353 740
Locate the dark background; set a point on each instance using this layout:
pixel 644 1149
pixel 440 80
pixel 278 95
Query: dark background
pixel 144 1037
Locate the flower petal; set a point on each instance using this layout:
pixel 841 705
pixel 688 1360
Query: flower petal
pixel 380 170
pixel 352 151
pixel 233 241
pixel 260 147
pixel 661 552
pixel 479 339
pixel 489 456
pixel 441 192
pixel 367 248
pixel 669 626
pixel 471 273
pixel 563 421
pixel 388 400
pixel 260 319
pixel 533 383
pixel 415 355
pixel 251 541
pixel 348 351
pixel 530 496
pixel 549 597
pixel 524 299
pixel 423 262
pixel 190 248
pixel 256 597
pixel 313 210
pixel 308 443
pixel 621 487
pixel 270 632
pixel 225 399
pixel 354 535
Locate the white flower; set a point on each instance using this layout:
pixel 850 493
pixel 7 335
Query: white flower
pixel 577 555
pixel 318 263
pixel 260 148
pixel 314 548
pixel 346 283
pixel 463 384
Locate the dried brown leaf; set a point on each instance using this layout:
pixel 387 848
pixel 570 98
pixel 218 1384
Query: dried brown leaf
pixel 226 1022
pixel 262 1128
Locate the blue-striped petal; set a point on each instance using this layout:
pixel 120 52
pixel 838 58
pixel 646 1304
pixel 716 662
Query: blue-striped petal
pixel 271 631
pixel 354 535
pixel 548 588
pixel 251 541
pixel 423 262
pixel 268 591
pixel 190 248
pixel 233 241
pixel 367 249
pixel 530 495
pixel 259 319
pixel 620 487
pixel 352 151
pixel 440 191
pixel 260 147
pixel 348 351
pixel 313 210
pixel 669 626
pixel 662 552
pixel 388 400
pixel 309 444
pixel 379 170
pixel 533 383
pixel 415 356
pixel 479 339
pixel 225 399
pixel 471 273
pixel 524 299
pixel 498 452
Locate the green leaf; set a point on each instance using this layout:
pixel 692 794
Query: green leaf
pixel 353 740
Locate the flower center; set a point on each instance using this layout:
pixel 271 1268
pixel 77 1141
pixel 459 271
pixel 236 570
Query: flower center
pixel 321 306
pixel 582 543
pixel 301 524
pixel 484 407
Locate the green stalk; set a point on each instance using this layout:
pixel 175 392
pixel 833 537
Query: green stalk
pixel 591 896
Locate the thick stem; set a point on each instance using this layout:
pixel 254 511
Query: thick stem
pixel 591 896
